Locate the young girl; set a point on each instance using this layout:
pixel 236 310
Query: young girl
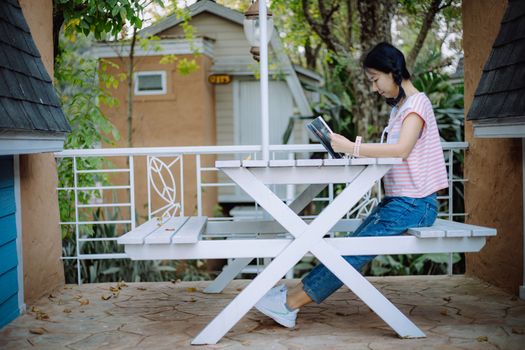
pixel 410 187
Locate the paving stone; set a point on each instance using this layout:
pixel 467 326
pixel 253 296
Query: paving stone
pixel 455 312
pixel 107 340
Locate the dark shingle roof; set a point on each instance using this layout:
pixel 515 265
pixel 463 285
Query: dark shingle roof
pixel 501 90
pixel 27 98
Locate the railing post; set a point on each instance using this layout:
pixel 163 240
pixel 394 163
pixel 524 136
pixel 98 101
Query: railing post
pixel 132 191
pixel 199 184
pixel 450 262
pixel 77 228
pixel 181 185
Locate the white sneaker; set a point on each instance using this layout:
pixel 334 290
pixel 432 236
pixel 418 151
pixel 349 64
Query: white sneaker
pixel 273 305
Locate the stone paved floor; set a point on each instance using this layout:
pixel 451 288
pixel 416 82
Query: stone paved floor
pixel 455 312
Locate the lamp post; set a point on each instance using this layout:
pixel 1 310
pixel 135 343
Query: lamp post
pixel 258 28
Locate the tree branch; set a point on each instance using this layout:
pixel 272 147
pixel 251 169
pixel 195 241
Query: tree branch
pixel 323 29
pixel 423 32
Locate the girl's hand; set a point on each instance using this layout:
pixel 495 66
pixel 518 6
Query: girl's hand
pixel 341 144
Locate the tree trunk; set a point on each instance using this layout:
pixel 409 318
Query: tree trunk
pixel 368 111
pixel 130 86
pixel 58 20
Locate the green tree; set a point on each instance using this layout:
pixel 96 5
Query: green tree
pixel 334 36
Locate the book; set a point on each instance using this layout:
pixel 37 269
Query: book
pixel 322 131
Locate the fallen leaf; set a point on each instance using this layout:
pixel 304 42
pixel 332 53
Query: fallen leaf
pixel 67 311
pixel 83 301
pixel 482 338
pixel 444 312
pixel 192 300
pixel 116 294
pixel 191 289
pixel 114 289
pixel 77 297
pixel 106 297
pixel 39 330
pixel 52 296
pixel 42 316
pixel 447 299
pixel 35 309
pixel 121 284
pixel 141 288
pixel 518 330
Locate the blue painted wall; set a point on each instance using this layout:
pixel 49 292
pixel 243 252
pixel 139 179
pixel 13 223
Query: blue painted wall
pixel 8 258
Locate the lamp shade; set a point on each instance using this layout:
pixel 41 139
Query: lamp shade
pixel 252 26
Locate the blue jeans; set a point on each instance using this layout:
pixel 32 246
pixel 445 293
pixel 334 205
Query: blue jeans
pixel 393 216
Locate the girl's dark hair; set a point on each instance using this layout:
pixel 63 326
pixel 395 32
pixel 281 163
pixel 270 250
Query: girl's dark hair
pixel 386 58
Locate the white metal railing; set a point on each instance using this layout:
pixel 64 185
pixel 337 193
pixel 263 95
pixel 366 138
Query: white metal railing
pixel 166 183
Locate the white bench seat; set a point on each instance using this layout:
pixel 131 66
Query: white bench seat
pixel 175 230
pixel 191 230
pixel 447 228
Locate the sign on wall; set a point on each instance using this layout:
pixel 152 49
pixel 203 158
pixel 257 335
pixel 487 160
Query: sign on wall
pixel 219 79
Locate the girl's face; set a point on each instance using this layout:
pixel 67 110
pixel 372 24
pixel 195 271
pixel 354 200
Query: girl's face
pixel 382 83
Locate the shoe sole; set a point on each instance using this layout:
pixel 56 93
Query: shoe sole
pixel 282 321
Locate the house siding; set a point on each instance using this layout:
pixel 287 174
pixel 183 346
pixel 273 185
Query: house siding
pixel 224 113
pixel 230 41
pixel 8 256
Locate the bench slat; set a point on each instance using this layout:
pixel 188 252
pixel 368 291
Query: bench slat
pixel 452 230
pixel 191 231
pixel 163 234
pixel 476 231
pixel 426 232
pixel 268 226
pixel 138 235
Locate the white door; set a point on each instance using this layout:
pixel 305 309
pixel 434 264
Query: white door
pixel 247 102
pixel 248 118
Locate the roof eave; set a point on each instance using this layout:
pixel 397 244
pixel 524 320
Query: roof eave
pixel 500 128
pixel 30 142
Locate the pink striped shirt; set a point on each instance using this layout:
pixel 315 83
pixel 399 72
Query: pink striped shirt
pixel 424 171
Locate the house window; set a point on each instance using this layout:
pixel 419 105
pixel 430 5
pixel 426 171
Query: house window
pixel 150 83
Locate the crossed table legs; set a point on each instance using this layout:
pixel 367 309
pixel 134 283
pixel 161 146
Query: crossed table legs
pixel 308 238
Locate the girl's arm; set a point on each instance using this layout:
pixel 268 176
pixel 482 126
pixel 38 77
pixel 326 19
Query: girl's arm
pixel 410 130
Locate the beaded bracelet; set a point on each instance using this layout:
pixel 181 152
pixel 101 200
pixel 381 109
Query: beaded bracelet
pixel 357 146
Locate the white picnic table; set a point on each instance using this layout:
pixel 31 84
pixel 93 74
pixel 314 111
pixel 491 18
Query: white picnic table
pixel 253 177
pixel 181 237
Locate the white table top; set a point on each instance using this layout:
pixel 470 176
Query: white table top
pixel 305 171
pixel 305 162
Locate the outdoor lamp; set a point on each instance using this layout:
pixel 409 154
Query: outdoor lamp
pixel 252 29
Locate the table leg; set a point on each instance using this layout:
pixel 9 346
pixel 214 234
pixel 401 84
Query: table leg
pixel 233 269
pixel 227 275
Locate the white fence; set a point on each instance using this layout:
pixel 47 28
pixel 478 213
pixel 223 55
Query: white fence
pixel 159 176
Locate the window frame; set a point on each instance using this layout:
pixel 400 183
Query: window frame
pixel 162 91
